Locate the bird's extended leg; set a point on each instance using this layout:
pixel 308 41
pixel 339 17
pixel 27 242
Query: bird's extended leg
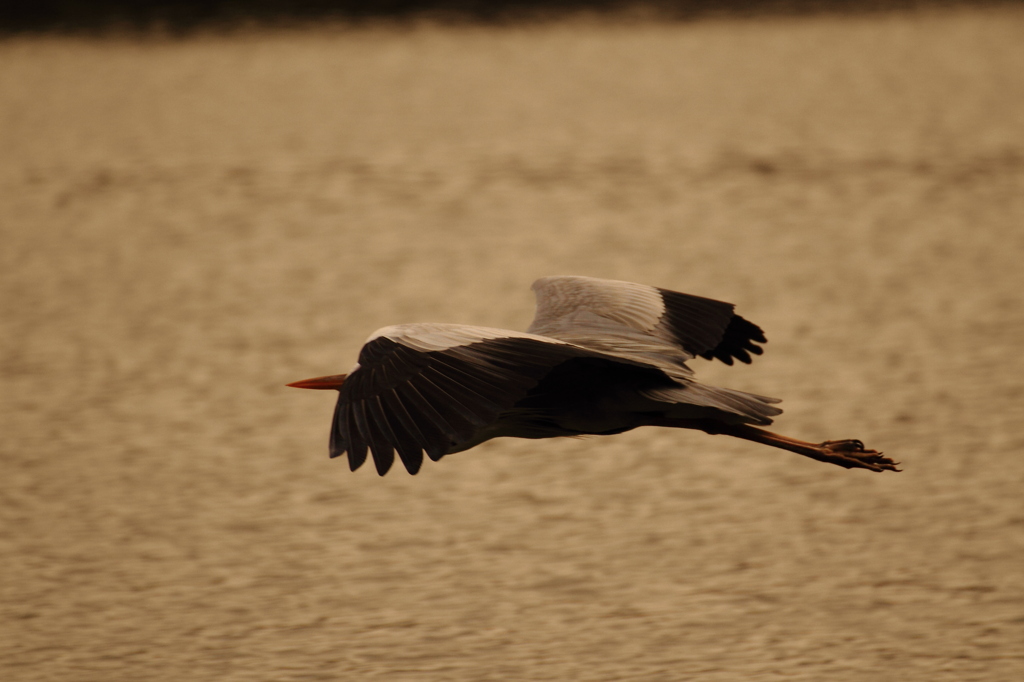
pixel 849 454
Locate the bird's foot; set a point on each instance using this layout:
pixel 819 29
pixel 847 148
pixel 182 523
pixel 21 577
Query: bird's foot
pixel 851 454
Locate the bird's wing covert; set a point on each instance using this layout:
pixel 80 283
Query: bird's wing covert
pixel 571 308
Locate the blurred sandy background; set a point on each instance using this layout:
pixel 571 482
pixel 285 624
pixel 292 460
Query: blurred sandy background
pixel 188 225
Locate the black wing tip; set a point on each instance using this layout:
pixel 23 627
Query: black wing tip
pixel 386 464
pixel 383 462
pixel 412 459
pixel 354 462
pixel 739 340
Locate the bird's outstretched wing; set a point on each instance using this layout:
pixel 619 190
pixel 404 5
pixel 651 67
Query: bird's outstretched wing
pixel 429 387
pixel 674 325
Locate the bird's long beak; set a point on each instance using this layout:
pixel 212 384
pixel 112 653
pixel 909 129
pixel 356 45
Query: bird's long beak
pixel 321 383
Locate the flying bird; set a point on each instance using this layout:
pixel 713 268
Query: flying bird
pixel 601 357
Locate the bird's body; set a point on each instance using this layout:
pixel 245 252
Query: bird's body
pixel 601 357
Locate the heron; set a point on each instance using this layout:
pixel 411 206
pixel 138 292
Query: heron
pixel 601 357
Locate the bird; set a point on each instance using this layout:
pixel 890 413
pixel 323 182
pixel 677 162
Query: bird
pixel 601 357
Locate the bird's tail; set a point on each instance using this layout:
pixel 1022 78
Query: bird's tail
pixel 695 400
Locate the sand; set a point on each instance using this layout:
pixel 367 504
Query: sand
pixel 189 225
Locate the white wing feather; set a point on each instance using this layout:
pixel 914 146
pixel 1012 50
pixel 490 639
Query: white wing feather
pixel 618 318
pixel 430 336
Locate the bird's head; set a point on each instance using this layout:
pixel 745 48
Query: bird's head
pixel 321 383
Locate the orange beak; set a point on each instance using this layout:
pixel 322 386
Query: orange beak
pixel 321 383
